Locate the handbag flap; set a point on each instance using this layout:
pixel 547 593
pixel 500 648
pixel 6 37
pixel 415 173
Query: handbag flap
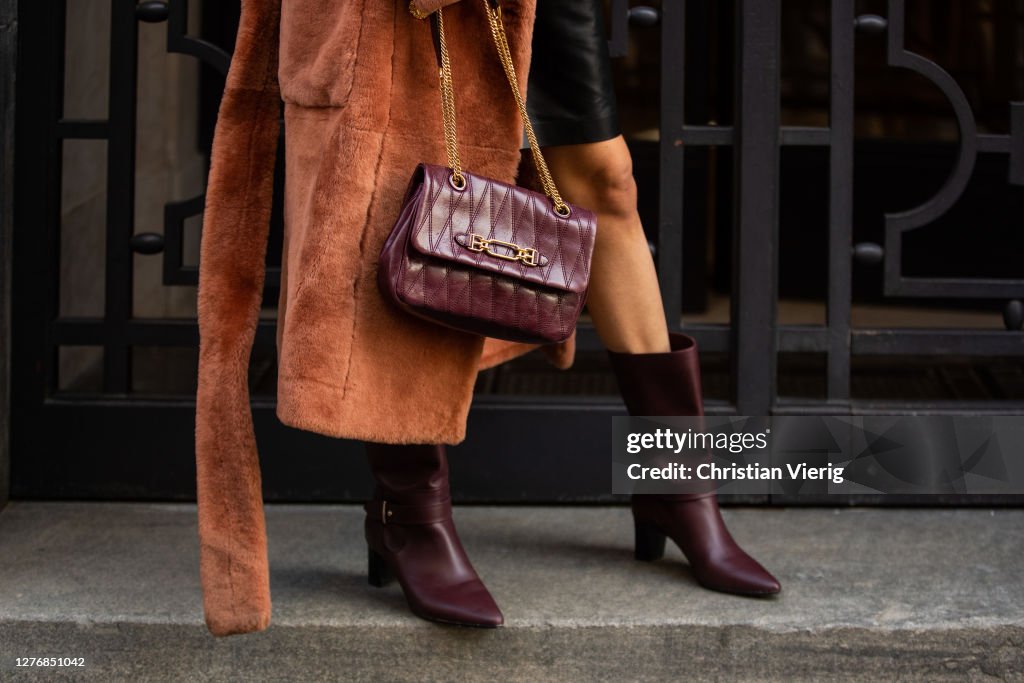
pixel 503 229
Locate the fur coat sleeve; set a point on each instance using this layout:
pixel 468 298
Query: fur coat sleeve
pixel 360 100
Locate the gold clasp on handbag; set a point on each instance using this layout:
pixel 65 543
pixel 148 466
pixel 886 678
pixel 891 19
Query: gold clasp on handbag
pixel 527 255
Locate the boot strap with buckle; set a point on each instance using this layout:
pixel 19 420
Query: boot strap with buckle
pixel 387 512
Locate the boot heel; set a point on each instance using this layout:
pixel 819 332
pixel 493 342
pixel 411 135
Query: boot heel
pixel 650 543
pixel 378 573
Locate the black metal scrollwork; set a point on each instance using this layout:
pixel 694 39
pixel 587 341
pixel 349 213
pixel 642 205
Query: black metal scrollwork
pixel 971 143
pixel 175 12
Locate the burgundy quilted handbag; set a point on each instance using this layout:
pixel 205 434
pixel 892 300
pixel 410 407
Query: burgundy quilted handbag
pixel 483 256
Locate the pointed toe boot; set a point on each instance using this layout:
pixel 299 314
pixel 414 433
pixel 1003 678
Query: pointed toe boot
pixel 669 384
pixel 695 525
pixel 411 537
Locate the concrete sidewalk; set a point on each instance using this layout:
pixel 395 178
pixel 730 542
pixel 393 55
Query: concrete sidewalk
pixel 868 594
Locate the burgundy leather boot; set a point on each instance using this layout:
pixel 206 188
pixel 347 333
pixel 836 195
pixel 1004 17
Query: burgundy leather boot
pixel 662 384
pixel 411 537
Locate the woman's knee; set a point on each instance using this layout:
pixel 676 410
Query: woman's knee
pixel 613 188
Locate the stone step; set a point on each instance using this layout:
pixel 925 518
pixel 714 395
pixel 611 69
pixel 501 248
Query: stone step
pixel 868 594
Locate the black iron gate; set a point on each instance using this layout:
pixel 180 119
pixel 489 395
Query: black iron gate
pixel 114 438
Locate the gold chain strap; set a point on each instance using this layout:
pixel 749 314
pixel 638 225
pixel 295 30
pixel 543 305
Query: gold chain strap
pixel 448 108
pixel 451 144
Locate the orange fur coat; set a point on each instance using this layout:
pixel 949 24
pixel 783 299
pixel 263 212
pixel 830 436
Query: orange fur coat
pixel 361 108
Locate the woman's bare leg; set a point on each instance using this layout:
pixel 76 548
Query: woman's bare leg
pixel 624 300
pixel 625 303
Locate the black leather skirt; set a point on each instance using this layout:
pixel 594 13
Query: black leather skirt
pixel 570 96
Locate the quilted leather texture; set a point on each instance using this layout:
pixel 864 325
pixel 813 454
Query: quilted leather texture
pixel 426 271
